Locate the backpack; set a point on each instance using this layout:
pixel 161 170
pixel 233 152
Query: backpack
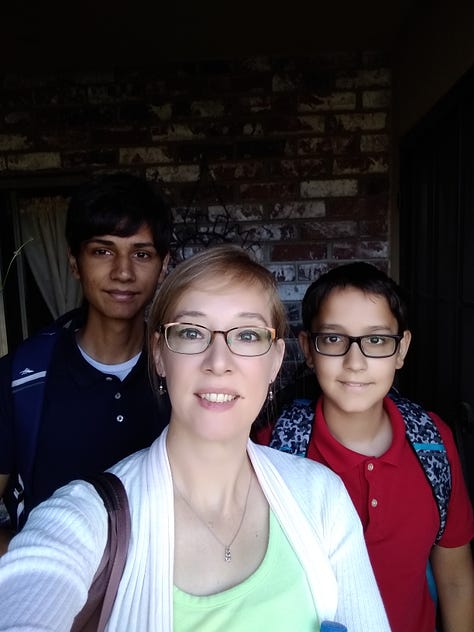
pixel 30 363
pixel 292 433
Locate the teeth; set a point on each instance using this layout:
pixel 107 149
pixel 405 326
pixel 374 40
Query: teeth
pixel 218 398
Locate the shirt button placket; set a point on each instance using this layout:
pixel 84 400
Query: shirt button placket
pixel 373 501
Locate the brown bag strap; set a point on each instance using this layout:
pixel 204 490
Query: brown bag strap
pixel 96 611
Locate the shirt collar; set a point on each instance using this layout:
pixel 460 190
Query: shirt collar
pixel 338 457
pixel 82 372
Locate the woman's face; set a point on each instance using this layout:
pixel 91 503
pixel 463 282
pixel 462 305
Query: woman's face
pixel 216 394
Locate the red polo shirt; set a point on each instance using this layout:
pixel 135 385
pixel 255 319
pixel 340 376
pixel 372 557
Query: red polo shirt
pixel 399 514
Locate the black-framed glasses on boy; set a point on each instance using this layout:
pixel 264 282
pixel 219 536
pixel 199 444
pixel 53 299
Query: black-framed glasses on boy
pixel 372 345
pixel 190 339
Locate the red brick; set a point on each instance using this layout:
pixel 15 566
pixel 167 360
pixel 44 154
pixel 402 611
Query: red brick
pixel 374 228
pixel 363 207
pixel 298 252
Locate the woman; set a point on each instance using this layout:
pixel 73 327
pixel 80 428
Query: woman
pixel 226 535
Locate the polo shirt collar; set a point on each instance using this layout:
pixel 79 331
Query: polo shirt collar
pixel 82 372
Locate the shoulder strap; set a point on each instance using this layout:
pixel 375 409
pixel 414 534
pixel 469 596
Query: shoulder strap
pixel 426 441
pixel 96 612
pixel 292 430
pixel 30 363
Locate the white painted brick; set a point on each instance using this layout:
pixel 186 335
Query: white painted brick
pixel 294 210
pixel 332 230
pixel 236 212
pixel 271 231
pixel 184 213
pixel 374 142
pixel 252 129
pixel 257 64
pixel 181 173
pixel 292 291
pixel 283 83
pixel 34 161
pixel 375 164
pixel 328 188
pixel 207 108
pixel 99 94
pixel 142 155
pixel 378 164
pixel 13 142
pixel 177 131
pixel 163 112
pixel 373 249
pixel 311 271
pixel 365 79
pixel 313 123
pixel 256 104
pixel 283 272
pixel 367 121
pixel 376 99
pixel 331 102
pixel 256 251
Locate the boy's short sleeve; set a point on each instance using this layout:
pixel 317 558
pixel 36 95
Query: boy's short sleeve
pixel 460 521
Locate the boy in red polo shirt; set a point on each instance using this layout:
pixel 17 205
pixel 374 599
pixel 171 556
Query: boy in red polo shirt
pixel 399 463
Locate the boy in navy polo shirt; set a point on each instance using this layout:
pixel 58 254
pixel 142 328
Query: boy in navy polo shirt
pixel 354 338
pixel 97 404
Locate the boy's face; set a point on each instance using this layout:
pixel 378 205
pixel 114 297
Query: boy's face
pixel 354 383
pixel 119 275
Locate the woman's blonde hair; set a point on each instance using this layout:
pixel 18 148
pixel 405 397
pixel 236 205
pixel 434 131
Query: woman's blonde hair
pixel 224 264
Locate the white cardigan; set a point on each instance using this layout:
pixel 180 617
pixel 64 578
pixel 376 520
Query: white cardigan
pixel 44 578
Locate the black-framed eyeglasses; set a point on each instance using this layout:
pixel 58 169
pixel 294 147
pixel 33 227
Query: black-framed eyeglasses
pixel 190 339
pixel 372 345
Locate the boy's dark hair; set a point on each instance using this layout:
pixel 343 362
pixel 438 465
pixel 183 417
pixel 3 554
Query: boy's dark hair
pixel 118 204
pixel 362 276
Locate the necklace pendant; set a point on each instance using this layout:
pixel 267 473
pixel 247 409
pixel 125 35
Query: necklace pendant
pixel 227 555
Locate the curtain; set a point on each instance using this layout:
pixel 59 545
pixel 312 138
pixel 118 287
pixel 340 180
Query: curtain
pixel 43 221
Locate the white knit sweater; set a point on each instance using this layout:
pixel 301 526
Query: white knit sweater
pixel 45 577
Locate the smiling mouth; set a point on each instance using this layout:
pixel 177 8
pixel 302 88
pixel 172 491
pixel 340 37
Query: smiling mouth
pixel 122 292
pixel 122 295
pixel 356 384
pixel 217 398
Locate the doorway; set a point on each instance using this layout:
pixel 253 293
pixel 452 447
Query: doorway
pixel 437 263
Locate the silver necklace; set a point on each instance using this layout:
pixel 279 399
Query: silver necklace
pixel 227 553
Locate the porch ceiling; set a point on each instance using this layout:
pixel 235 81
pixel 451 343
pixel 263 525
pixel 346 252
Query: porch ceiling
pixel 95 33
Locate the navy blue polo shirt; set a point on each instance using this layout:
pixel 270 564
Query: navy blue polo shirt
pixel 90 419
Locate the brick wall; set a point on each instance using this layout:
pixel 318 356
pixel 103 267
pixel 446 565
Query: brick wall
pixel 289 157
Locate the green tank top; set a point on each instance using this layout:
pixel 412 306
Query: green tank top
pixel 275 597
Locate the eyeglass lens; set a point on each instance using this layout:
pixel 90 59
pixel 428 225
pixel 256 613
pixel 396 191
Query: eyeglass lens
pixel 373 346
pixel 191 339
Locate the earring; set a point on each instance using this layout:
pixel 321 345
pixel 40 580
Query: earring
pixel 161 386
pixel 270 392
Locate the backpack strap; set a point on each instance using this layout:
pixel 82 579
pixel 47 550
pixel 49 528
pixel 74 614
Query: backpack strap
pixel 426 441
pixel 30 364
pixel 101 597
pixel 292 430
